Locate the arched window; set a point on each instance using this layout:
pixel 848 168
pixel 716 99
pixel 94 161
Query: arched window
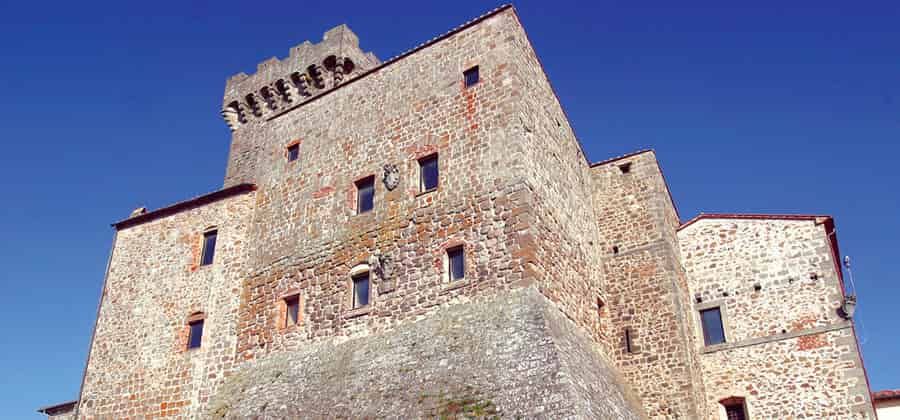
pixel 361 286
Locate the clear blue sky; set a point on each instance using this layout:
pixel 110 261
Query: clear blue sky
pixel 774 107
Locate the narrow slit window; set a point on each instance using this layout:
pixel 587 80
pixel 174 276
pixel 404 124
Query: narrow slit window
pixel 471 76
pixel 209 247
pixel 428 173
pixel 196 334
pixel 365 195
pixel 456 260
pixel 293 152
pixel 361 290
pixel 628 343
pixel 713 331
pixel 292 311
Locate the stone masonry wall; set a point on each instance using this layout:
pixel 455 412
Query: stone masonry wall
pixel 787 350
pixel 305 211
pixel 563 256
pixel 139 362
pixel 512 355
pixel 646 288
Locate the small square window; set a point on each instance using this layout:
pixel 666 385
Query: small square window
pixel 209 247
pixel 196 335
pixel 293 152
pixel 428 173
pixel 292 311
pixel 625 167
pixel 365 195
pixel 471 76
pixel 456 260
pixel 360 290
pixel 713 332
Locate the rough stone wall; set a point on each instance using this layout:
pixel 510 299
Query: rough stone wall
pixel 414 107
pixel 139 362
pixel 646 288
pixel 65 415
pixel 787 350
pixel 512 355
pixel 562 253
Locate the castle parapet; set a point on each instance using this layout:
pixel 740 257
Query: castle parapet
pixel 308 71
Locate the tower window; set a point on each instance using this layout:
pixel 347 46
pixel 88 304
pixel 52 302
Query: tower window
pixel 713 332
pixel 628 348
pixel 735 408
pixel 293 152
pixel 456 262
pixel 365 195
pixel 196 334
pixel 292 310
pixel 209 247
pixel 625 167
pixel 360 290
pixel 471 76
pixel 428 173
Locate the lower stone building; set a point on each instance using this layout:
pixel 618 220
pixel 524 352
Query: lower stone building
pixel 425 238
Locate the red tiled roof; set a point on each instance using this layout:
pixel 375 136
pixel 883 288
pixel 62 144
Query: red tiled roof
pixel 888 394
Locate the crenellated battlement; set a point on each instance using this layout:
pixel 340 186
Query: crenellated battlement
pixel 309 70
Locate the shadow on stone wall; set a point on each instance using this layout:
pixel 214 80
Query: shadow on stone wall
pixel 511 356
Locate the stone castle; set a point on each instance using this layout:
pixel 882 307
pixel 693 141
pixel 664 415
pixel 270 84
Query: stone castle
pixel 425 237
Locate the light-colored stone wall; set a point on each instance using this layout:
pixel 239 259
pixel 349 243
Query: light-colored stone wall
pixel 787 350
pixel 888 410
pixel 139 362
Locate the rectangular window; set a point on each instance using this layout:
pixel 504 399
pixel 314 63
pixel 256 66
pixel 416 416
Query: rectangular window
pixel 428 173
pixel 713 332
pixel 457 263
pixel 293 152
pixel 361 290
pixel 471 76
pixel 735 411
pixel 292 307
pixel 209 247
pixel 365 195
pixel 196 335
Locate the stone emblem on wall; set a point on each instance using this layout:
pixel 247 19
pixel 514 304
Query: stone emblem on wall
pixel 391 176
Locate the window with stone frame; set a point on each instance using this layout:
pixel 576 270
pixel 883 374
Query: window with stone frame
pixel 293 152
pixel 207 256
pixel 195 331
pixel 365 195
pixel 361 290
pixel 735 408
pixel 456 264
pixel 711 322
pixel 428 173
pixel 471 76
pixel 291 311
